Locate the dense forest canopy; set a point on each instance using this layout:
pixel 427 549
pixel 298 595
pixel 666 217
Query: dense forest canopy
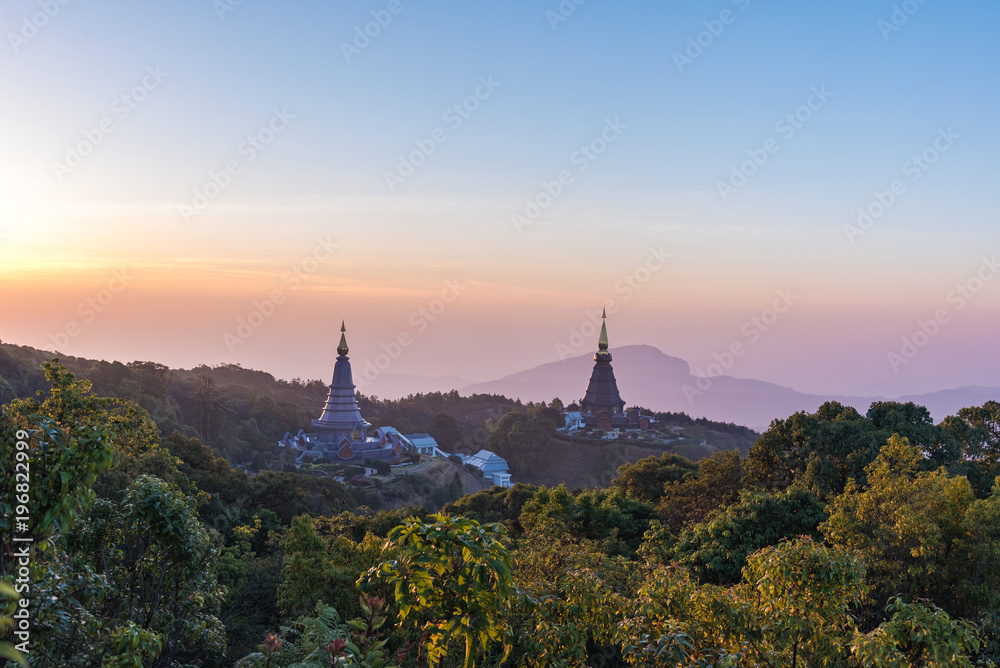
pixel 838 538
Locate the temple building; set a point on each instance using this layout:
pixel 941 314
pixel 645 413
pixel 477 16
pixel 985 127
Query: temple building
pixel 603 407
pixel 340 431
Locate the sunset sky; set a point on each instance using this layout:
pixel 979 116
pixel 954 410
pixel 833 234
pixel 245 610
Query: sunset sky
pixel 168 169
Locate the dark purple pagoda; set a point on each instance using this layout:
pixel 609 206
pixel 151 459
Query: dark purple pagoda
pixel 603 407
pixel 341 433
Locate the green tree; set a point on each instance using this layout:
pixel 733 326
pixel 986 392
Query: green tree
pixel 922 533
pixel 445 430
pixel 820 452
pixel 802 594
pixel 7 650
pixel 918 635
pixel 210 404
pixel 794 607
pixel 155 584
pixel 977 430
pixel 451 578
pixel 322 640
pixel 496 504
pixel 716 549
pixel 571 594
pixel 691 500
pixel 63 443
pixel 520 438
pixel 304 568
pixel 645 479
pixel 616 521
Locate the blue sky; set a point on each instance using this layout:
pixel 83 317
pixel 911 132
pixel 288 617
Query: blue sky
pixel 657 184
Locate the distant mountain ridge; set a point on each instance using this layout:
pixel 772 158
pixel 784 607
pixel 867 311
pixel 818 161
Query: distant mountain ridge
pixel 649 377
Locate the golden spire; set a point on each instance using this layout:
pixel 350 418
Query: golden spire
pixel 602 343
pixel 342 349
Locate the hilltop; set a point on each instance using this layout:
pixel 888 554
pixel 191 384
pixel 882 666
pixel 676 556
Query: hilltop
pixel 242 413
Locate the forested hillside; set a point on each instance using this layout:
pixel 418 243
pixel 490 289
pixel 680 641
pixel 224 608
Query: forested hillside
pixel 242 413
pixel 839 539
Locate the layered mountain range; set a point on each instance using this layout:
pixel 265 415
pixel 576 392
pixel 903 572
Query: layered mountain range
pixel 650 378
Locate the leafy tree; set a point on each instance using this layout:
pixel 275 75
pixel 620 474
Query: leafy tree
pixel 451 578
pixel 571 593
pixel 303 570
pixel 132 584
pixel 209 404
pixel 520 438
pixel 323 640
pixel 496 504
pixel 445 430
pixel 324 568
pixel 793 608
pixel 716 550
pixel 822 451
pixel 977 431
pixel 606 516
pixel 802 594
pixel 291 494
pixel 250 570
pixel 66 443
pixel 922 533
pixel 645 479
pixel 690 500
pixel 7 650
pixel 356 527
pixel 918 634
pixel 95 597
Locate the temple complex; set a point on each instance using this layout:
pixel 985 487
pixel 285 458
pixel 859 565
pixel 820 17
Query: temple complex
pixel 342 434
pixel 340 431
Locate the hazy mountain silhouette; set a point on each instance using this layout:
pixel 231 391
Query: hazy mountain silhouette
pixel 650 378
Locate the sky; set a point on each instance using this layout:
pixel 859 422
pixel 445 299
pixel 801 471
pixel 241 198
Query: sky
pixel 467 184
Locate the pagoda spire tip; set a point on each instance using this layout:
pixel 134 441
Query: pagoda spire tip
pixel 602 343
pixel 342 349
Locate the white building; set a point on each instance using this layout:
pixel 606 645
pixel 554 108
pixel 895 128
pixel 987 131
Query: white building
pixel 574 420
pixel 493 466
pixel 423 444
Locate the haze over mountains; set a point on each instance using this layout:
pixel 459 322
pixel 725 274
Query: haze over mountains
pixel 652 379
